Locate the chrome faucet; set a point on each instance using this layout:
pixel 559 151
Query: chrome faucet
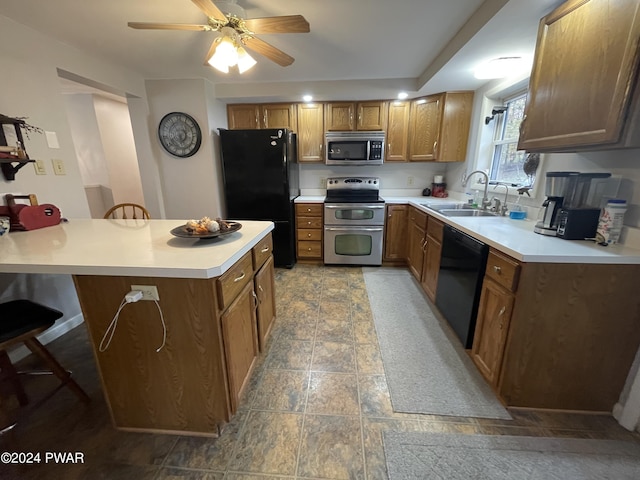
pixel 485 200
pixel 497 208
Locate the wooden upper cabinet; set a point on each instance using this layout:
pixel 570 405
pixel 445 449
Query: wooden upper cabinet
pixel 425 119
pixel 310 133
pixel 253 116
pixel 342 116
pixel 439 127
pixel 583 92
pixel 243 116
pixel 398 131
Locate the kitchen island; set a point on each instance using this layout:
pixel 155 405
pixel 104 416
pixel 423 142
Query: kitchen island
pixel 189 381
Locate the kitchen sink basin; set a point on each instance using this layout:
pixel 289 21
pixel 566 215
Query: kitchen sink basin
pixel 466 213
pixel 447 206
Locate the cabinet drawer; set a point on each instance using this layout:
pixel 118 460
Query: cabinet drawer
pixel 309 209
pixel 310 249
pixel 231 282
pixel 262 251
pixel 309 222
pixel 418 217
pixel 503 270
pixel 434 228
pixel 305 234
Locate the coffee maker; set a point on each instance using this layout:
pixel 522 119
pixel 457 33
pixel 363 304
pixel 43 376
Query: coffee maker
pixel 557 185
pixel 578 217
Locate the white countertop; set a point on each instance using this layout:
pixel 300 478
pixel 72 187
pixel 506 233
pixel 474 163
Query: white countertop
pixel 125 248
pixel 517 239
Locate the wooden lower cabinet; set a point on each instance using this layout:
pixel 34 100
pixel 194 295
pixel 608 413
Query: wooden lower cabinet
pixel 395 234
pixel 494 315
pixel 240 341
pixel 416 227
pixel 309 227
pixel 265 291
pixel 432 251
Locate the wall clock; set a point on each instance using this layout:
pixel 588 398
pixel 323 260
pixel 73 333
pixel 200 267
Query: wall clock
pixel 179 134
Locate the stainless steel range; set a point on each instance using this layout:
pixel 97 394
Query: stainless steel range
pixel 353 221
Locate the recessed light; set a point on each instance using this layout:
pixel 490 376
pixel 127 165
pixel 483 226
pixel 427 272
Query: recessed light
pixel 501 67
pixel 402 95
pixel 307 98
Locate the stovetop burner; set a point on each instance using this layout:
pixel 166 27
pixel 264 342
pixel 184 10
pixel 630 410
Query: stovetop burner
pixel 353 190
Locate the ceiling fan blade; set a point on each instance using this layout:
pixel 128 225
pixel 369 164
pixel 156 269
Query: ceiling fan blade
pixel 212 50
pixel 284 24
pixel 168 26
pixel 269 51
pixel 210 10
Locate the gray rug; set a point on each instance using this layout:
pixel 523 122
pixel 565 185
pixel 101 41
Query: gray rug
pixel 427 369
pixel 416 455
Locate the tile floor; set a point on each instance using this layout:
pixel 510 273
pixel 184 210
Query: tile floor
pixel 315 407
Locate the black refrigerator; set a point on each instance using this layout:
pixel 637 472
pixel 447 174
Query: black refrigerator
pixel 261 180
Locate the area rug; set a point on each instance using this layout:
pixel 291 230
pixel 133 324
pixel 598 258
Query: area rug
pixel 427 369
pixel 417 455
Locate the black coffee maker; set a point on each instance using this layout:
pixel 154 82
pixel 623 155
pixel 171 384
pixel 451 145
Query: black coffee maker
pixel 578 217
pixel 557 186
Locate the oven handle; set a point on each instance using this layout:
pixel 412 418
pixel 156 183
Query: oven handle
pixel 354 228
pixel 359 207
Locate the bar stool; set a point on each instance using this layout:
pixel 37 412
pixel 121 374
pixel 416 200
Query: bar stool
pixel 21 321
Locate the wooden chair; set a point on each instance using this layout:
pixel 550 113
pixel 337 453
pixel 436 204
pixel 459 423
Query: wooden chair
pixel 120 211
pixel 21 321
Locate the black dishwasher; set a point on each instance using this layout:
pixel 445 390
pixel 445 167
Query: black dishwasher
pixel 462 265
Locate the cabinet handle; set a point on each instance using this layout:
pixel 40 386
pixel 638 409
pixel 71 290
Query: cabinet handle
pixel 264 119
pixel 308 209
pixel 309 235
pixel 239 278
pixel 497 269
pixel 521 128
pixel 264 250
pixel 308 223
pixel 255 299
pixel 502 310
pixel 260 288
pixel 435 145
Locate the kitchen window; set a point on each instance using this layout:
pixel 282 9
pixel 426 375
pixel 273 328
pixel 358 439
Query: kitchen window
pixel 507 161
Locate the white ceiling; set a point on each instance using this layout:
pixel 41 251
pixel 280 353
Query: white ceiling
pixel 356 49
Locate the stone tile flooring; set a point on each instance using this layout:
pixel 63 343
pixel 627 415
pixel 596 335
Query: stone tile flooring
pixel 315 406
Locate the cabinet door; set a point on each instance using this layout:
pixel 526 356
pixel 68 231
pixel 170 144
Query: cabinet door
pixel 454 127
pixel 339 116
pixel 395 236
pixel 243 116
pixel 371 115
pixel 398 132
pixel 431 267
pixel 584 70
pixel 424 126
pixel 310 133
pixel 415 253
pixel 265 290
pixel 279 115
pixel 240 341
pixel 494 315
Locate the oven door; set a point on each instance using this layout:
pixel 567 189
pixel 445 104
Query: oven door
pixel 353 245
pixel 353 214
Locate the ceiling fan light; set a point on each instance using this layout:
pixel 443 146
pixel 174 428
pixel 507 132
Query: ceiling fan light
pixel 227 52
pixel 245 61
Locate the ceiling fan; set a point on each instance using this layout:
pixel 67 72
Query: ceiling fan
pixel 237 31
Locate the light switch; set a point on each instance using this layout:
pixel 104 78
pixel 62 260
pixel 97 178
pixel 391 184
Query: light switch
pixel 58 166
pixel 39 167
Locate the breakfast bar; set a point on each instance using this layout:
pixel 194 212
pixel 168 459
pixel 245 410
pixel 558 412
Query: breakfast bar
pixel 178 364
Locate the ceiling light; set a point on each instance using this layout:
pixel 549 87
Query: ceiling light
pixel 402 95
pixel 230 52
pixel 501 67
pixel 307 98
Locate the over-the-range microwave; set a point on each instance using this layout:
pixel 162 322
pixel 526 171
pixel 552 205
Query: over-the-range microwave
pixel 354 148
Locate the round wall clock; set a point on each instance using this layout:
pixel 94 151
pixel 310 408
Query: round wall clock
pixel 179 134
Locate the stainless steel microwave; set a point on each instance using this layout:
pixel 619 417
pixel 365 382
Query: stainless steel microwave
pixel 354 148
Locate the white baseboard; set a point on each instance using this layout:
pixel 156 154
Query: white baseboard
pixel 47 336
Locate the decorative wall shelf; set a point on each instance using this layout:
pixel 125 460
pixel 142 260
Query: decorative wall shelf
pixel 17 157
pixel 9 169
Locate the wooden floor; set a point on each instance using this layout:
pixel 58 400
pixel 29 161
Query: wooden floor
pixel 315 407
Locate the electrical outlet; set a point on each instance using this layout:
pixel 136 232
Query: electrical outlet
pixel 410 181
pixel 149 292
pixel 58 166
pixel 39 167
pixel 323 182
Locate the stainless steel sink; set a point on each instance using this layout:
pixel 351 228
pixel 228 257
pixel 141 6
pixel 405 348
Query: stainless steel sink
pixel 447 206
pixel 466 213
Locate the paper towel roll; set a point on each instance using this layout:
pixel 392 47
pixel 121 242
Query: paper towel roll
pixel 437 179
